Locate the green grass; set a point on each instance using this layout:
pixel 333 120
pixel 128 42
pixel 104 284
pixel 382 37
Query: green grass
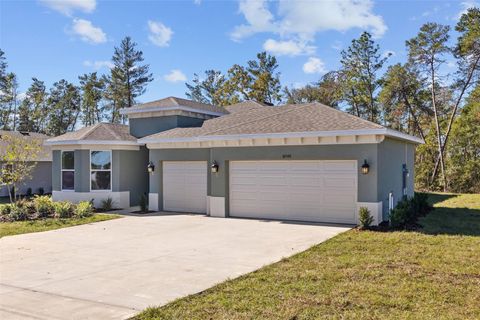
pixel 429 274
pixel 19 227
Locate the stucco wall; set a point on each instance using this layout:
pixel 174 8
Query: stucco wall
pixel 56 167
pixel 141 127
pixel 82 170
pixel 218 185
pixel 129 173
pixel 392 154
pixel 41 178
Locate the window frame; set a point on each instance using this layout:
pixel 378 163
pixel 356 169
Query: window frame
pixel 104 170
pixel 69 170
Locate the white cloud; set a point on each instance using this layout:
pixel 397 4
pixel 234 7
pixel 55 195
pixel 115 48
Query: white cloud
pixel 99 64
pixel 465 5
pixel 160 35
pixel 287 48
pixel 314 65
pixel 88 32
pixel 197 2
pixel 67 7
pixel 175 76
pixel 303 19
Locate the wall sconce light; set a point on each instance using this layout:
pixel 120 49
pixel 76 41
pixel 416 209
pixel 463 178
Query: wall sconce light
pixel 214 167
pixel 150 167
pixel 365 167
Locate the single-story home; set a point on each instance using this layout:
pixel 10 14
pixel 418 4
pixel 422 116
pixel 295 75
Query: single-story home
pixel 305 162
pixel 41 177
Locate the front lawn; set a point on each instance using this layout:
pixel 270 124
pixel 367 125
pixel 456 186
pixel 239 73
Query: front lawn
pixel 433 273
pixel 19 227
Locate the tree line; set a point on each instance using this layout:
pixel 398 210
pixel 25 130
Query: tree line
pixel 60 109
pixel 422 96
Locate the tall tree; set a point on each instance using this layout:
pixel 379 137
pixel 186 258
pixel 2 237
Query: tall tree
pixel 210 89
pixel 9 103
pixel 33 110
pixel 361 63
pixel 3 70
pixel 327 91
pixel 129 77
pixel 427 52
pixel 64 107
pixel 265 86
pixel 92 88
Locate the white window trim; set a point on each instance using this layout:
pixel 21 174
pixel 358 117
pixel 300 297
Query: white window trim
pixel 62 170
pixel 91 170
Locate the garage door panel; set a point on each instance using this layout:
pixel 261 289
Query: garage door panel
pixel 322 191
pixel 185 186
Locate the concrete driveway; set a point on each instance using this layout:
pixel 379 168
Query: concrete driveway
pixel 114 269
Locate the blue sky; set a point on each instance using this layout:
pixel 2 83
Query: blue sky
pixel 53 39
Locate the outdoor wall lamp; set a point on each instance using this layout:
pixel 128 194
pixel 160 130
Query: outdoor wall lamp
pixel 151 167
pixel 214 167
pixel 365 167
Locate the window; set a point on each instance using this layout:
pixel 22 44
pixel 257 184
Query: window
pixel 101 170
pixel 68 170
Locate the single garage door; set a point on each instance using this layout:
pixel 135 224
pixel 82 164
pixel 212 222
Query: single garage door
pixel 319 191
pixel 185 186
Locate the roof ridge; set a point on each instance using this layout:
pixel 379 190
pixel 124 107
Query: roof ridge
pixel 258 119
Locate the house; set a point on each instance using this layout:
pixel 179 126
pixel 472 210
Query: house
pixel 41 177
pixel 306 162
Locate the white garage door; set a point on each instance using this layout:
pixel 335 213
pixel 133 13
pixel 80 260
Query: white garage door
pixel 185 186
pixel 320 191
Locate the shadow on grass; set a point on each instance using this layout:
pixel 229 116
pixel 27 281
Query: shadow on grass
pixel 451 221
pixel 434 198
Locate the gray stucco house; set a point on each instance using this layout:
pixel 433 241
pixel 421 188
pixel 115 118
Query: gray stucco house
pixel 305 162
pixel 41 177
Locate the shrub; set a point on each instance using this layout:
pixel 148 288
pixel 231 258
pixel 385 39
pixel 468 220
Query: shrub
pixel 18 212
pixel 420 204
pixel 143 203
pixel 83 209
pixel 365 218
pixel 5 209
pixel 43 206
pixel 41 191
pixel 29 192
pixel 63 209
pixel 403 215
pixel 107 204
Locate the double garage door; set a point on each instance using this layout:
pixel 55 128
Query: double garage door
pixel 320 191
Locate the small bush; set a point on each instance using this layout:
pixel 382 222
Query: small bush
pixel 5 209
pixel 63 209
pixel 29 192
pixel 41 191
pixel 18 212
pixel 107 204
pixel 83 209
pixel 143 203
pixel 420 204
pixel 43 206
pixel 365 218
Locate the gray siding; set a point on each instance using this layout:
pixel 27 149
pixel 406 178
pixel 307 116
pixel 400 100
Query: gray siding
pixel 82 170
pixel 41 178
pixel 141 127
pixel 392 155
pixel 56 168
pixel 129 173
pixel 218 185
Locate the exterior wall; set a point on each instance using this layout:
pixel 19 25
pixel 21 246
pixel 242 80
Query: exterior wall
pixel 218 184
pixel 129 173
pixel 141 127
pixel 392 154
pixel 129 177
pixel 41 178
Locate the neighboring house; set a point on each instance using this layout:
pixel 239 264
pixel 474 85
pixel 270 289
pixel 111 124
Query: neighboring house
pixel 306 162
pixel 41 176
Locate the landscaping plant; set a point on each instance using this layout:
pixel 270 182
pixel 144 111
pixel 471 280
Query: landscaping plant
pixel 83 209
pixel 43 206
pixel 63 209
pixel 18 212
pixel 365 218
pixel 107 204
pixel 143 203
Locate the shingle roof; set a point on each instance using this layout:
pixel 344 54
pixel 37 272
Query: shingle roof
pixel 176 102
pixel 266 119
pixel 45 154
pixel 243 106
pixel 97 132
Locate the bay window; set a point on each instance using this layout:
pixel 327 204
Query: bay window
pixel 101 170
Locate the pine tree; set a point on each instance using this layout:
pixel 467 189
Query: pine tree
pixel 64 105
pixel 92 89
pixel 33 110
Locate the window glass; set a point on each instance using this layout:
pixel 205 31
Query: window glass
pixel 68 180
pixel 100 180
pixel 68 161
pixel 100 160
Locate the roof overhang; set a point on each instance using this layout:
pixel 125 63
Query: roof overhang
pixel 135 110
pixel 353 136
pixel 91 142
